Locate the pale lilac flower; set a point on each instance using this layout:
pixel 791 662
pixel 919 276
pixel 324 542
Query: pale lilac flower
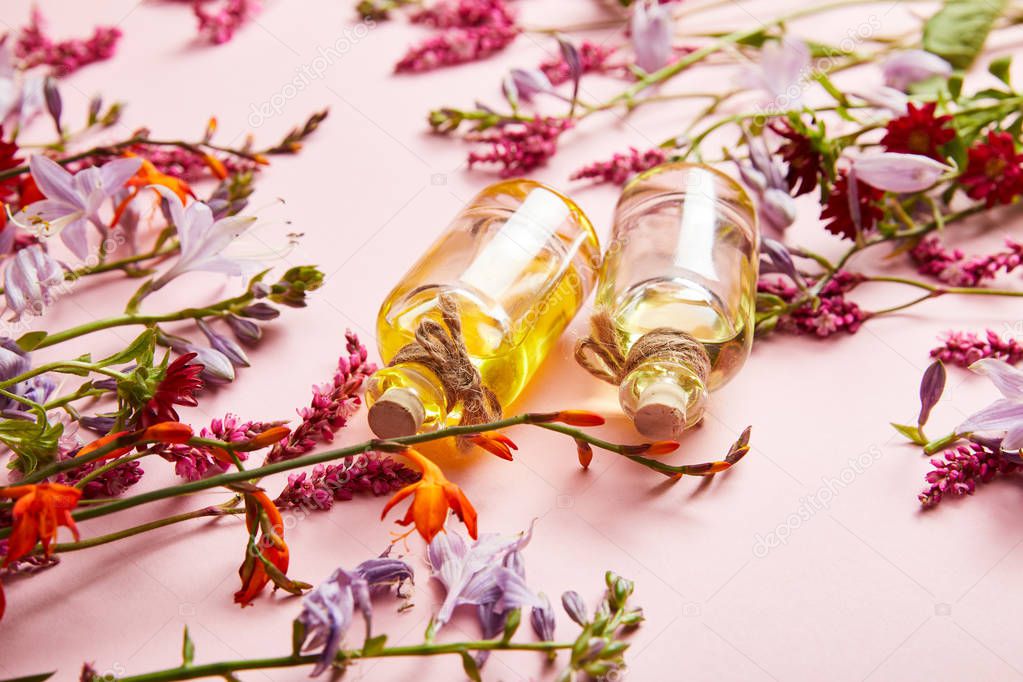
pixel 21 93
pixel 650 30
pixel 1004 415
pixel 204 240
pixel 30 279
pixel 217 368
pixel 542 619
pixel 246 331
pixel 765 176
pixel 477 575
pixel 784 64
pixel 891 99
pixel 905 68
pixel 903 173
pixel 575 607
pixel 524 84
pixel 14 362
pixel 328 610
pixel 73 200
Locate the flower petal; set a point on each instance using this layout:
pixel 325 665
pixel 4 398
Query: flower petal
pixel 1004 376
pixel 998 416
pixel 54 181
pixel 903 173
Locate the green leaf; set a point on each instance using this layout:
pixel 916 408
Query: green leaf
pixel 958 30
pixel 32 442
pixel 374 645
pixel 31 340
pixel 142 343
pixel 910 432
pixel 187 649
pixel 297 637
pixel 39 677
pixel 999 68
pixel 472 671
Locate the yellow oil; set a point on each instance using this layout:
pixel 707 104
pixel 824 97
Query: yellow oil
pixel 507 333
pixel 683 305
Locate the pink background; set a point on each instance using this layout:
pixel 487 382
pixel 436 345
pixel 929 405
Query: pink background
pixel 866 588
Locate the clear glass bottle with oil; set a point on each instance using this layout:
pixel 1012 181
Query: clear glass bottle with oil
pixel 684 257
pixel 518 261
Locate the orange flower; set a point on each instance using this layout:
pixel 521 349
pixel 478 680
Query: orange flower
pixel 41 508
pixel 434 495
pixel 149 175
pixel 164 432
pixel 271 545
pixel 495 443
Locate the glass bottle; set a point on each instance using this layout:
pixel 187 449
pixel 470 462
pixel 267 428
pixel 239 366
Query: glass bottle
pixel 518 261
pixel 683 257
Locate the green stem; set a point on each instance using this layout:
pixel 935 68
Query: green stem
pixel 205 512
pixel 225 668
pixel 137 319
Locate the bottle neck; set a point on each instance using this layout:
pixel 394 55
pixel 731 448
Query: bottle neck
pixel 663 398
pixel 405 399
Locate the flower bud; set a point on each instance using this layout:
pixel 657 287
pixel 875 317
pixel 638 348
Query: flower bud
pixel 225 345
pixel 905 68
pixel 777 208
pixel 542 620
pixel 260 311
pixel 246 331
pixel 217 369
pixel 574 606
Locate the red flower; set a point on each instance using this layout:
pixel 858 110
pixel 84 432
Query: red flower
pixel 178 387
pixel 8 159
pixel 851 212
pixel 802 157
pixel 995 170
pixel 919 131
pixel 253 572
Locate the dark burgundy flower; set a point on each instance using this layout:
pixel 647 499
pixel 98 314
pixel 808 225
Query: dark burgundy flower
pixel 995 170
pixel 179 385
pixel 801 155
pixel 851 209
pixel 8 159
pixel 965 348
pixel 919 131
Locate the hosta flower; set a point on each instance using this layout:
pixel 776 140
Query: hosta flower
pixel 21 93
pixel 905 68
pixel 764 175
pixel 650 30
pixel 784 64
pixel 40 509
pixel 30 280
pixel 487 572
pixel 433 496
pixel 328 610
pixel 899 172
pixel 73 200
pixel 524 84
pixel 204 240
pixel 1004 416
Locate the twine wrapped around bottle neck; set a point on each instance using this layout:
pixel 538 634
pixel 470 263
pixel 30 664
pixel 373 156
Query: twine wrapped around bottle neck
pixel 602 352
pixel 441 349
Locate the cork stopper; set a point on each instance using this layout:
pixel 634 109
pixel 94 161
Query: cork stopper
pixel 661 412
pixel 398 412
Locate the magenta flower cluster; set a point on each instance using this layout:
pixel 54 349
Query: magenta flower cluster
pixel 35 48
pixel 219 26
pixel 372 473
pixel 111 483
pixel 961 469
pixel 518 146
pixel 188 165
pixel 965 348
pixel 470 30
pixel 332 405
pixel 952 266
pixel 193 463
pixel 833 313
pixel 620 167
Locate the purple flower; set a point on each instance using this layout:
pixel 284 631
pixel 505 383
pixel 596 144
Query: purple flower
pixel 224 345
pixel 650 29
pixel 891 99
pixel 73 200
pixel 30 279
pixel 905 68
pixel 14 362
pixel 21 94
pixel 328 610
pixel 575 607
pixel 903 173
pixel 524 84
pixel 482 574
pixel 1004 415
pixel 542 619
pixel 783 65
pixel 246 331
pixel 203 240
pixel 765 176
